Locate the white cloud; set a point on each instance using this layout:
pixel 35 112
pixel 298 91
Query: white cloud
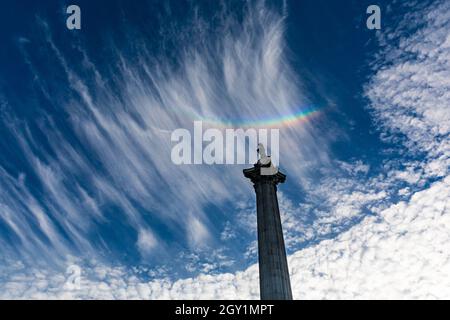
pixel 398 254
pixel 402 253
pixel 410 92
pixel 146 242
pixel 197 232
pixel 118 155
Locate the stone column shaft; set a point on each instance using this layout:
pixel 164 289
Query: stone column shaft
pixel 273 268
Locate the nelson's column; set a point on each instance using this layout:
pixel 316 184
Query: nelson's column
pixel 274 279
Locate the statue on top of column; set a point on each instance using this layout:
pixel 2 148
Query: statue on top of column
pixel 267 167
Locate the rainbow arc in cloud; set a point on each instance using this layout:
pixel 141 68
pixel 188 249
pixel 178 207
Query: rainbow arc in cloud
pixel 288 120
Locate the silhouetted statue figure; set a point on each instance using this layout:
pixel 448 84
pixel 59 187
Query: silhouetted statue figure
pixel 267 168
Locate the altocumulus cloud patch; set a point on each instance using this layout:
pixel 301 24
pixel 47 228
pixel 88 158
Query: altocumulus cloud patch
pixel 400 253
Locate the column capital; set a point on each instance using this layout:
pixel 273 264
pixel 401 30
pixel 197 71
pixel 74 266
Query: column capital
pixel 254 174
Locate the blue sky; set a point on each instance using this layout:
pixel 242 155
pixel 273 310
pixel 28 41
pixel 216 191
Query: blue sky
pixel 86 116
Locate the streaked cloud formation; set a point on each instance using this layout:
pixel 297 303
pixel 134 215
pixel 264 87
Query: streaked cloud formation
pixel 105 169
pixel 396 248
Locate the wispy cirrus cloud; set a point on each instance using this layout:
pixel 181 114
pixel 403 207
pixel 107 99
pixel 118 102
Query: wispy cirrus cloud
pixel 99 167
